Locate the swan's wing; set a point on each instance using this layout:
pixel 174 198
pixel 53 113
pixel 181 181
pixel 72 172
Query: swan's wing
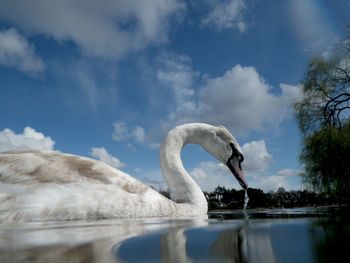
pixel 55 186
pixel 32 168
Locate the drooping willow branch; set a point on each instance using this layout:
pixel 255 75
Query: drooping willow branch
pixel 334 107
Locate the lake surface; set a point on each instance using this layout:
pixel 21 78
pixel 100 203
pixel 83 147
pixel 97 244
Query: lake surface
pixel 278 235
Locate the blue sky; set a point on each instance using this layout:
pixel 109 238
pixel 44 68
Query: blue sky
pixel 106 79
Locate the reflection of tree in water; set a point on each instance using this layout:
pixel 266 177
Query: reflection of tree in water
pixel 225 247
pixel 230 246
pixel 183 244
pixel 233 244
pixel 237 244
pixel 325 239
pixel 331 239
pixel 265 240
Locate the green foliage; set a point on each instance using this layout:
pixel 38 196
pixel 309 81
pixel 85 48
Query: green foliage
pixel 326 155
pixel 326 90
pixel 233 199
pixel 323 117
pixel 325 94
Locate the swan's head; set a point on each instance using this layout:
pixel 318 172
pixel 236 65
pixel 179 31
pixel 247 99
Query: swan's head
pixel 224 146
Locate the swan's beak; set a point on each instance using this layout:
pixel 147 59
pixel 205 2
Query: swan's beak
pixel 234 165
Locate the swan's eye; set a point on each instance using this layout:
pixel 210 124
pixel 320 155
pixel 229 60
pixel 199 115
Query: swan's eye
pixel 236 153
pixel 241 158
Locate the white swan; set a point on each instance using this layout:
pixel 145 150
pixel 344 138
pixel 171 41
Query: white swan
pixel 49 185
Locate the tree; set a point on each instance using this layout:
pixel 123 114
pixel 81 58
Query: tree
pixel 326 155
pixel 325 94
pixel 323 116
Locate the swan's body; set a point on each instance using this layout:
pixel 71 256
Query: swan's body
pixel 49 185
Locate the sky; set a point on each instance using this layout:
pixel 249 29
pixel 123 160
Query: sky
pixel 106 79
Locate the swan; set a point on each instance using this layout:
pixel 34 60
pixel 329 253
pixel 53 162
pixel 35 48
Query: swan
pixel 50 185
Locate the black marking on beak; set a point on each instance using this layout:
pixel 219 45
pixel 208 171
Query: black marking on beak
pixel 234 164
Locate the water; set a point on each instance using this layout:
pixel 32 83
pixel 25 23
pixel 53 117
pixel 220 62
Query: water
pixel 277 235
pixel 246 199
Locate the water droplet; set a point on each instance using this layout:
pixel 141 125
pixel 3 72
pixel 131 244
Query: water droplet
pixel 246 200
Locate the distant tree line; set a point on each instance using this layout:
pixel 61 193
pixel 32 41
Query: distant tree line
pixel 222 198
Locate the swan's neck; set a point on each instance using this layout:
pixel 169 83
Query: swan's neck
pixel 183 189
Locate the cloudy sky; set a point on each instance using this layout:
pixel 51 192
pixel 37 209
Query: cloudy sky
pixel 106 79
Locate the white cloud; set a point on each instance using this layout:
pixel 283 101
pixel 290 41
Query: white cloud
pixel 138 134
pixel 104 28
pixel 17 52
pixel 288 172
pixel 240 99
pixel 29 139
pixel 210 174
pixel 256 156
pixel 273 182
pixel 198 173
pixel 311 26
pixel 175 71
pixel 269 183
pixel 226 14
pixel 121 133
pixel 84 83
pixel 206 169
pixel 84 80
pixel 102 154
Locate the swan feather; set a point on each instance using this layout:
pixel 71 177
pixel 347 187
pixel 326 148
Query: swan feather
pixel 85 189
pixel 50 185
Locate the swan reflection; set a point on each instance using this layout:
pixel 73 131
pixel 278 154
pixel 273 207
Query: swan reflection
pixel 135 241
pixel 186 240
pixel 219 243
pixel 78 241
